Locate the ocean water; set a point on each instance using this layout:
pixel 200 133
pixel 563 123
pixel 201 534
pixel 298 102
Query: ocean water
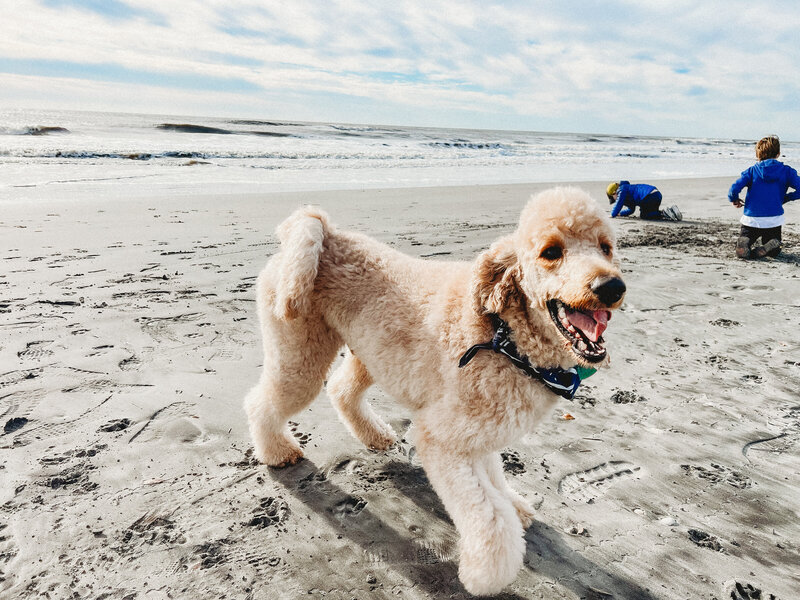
pixel 74 154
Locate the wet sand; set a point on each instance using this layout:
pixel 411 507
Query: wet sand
pixel 128 339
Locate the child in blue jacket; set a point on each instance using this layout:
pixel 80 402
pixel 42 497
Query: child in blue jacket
pixel 642 195
pixel 767 182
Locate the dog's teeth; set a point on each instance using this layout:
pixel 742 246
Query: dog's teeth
pixel 582 346
pixel 562 314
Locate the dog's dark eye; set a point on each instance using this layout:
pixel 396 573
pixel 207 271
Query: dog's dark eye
pixel 552 253
pixel 606 248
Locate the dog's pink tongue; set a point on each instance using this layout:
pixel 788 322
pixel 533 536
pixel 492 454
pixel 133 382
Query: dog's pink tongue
pixel 592 324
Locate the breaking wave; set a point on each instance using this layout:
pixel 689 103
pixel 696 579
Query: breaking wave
pixel 36 130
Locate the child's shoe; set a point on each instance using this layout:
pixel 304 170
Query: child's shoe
pixel 743 247
pixel 770 246
pixel 671 214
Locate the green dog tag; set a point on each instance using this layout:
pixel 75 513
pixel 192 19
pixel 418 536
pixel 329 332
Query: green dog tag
pixel 583 372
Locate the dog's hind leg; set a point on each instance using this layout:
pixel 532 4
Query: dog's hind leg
pixel 494 467
pixel 346 389
pixel 297 356
pixel 491 543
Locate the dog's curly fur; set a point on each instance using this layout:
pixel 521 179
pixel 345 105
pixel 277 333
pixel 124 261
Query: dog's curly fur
pixel 407 322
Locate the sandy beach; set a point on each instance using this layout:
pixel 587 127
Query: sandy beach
pixel 128 340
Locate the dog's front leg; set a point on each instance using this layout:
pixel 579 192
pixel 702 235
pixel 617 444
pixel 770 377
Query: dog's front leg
pixel 494 466
pixel 491 544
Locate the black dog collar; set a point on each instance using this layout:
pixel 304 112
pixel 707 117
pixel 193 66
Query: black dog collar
pixel 563 382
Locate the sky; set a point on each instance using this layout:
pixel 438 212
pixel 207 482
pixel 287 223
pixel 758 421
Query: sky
pixel 723 69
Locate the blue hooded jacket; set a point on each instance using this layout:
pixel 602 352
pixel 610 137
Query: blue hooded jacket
pixel 767 182
pixel 630 195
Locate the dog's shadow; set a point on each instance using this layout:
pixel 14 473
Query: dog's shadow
pixel 547 556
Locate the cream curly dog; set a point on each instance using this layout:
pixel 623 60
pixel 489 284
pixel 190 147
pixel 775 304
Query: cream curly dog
pixel 543 293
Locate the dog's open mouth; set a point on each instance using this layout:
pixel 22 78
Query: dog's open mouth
pixel 582 328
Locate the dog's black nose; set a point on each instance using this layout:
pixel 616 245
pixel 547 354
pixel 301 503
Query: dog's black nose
pixel 609 290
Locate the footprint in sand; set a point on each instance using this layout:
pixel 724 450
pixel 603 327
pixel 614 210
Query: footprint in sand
pixel 13 424
pixel 756 288
pixel 420 551
pixel 115 425
pixel 734 590
pixel 270 512
pixel 36 350
pixel 626 397
pixel 244 286
pixel 705 540
pixel 792 416
pixel 725 323
pixel 299 435
pixel 585 486
pixel 212 554
pixel 348 507
pixel 171 421
pixel 73 476
pixel 131 363
pixel 236 305
pixel 49 430
pixel 149 529
pixel 167 328
pixel 226 354
pixel 16 408
pixel 512 463
pixel 76 475
pixel 718 474
pixel 220 552
pixel 717 361
pixel 11 402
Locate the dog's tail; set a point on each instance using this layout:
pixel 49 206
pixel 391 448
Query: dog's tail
pixel 301 236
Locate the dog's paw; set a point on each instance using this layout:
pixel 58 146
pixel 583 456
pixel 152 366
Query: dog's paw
pixel 487 576
pixel 523 509
pixel 382 439
pixel 373 433
pixel 524 512
pixel 294 458
pixel 491 555
pixel 281 453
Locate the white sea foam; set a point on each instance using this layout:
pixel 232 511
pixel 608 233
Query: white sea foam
pixel 81 153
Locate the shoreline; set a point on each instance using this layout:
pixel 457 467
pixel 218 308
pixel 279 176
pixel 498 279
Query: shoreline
pixel 122 192
pixel 706 195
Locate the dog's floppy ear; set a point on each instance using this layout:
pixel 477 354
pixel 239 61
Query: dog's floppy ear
pixel 494 279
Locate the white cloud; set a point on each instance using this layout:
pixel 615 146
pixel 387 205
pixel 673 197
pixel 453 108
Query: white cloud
pixel 707 68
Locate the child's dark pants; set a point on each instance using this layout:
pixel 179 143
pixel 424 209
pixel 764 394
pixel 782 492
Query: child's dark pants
pixel 649 206
pixel 748 236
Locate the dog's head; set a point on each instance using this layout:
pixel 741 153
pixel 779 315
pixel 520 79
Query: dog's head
pixel 556 279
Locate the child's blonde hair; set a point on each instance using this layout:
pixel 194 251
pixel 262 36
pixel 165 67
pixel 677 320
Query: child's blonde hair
pixel 768 147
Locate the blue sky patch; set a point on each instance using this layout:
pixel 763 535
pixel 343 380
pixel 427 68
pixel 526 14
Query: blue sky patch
pixel 110 9
pixel 234 59
pixel 270 36
pixel 382 52
pixel 118 73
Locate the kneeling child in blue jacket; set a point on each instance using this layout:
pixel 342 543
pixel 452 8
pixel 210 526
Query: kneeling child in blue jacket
pixel 767 183
pixel 627 197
